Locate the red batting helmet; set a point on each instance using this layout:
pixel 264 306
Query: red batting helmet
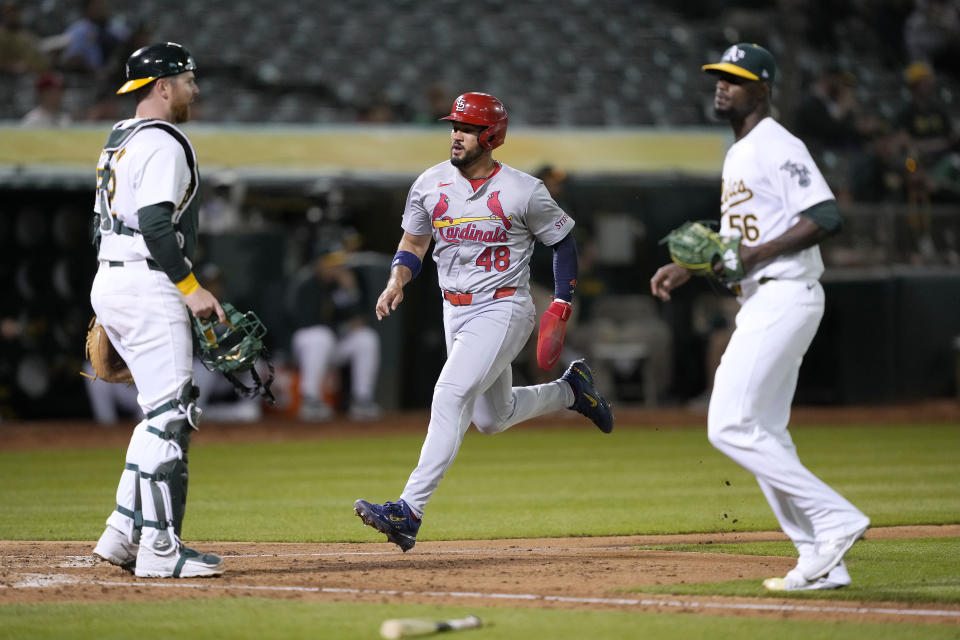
pixel 484 110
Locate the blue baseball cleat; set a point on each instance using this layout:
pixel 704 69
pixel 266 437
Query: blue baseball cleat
pixel 586 399
pixel 391 518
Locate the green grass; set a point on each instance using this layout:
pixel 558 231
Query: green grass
pixel 907 570
pixel 564 482
pixel 257 619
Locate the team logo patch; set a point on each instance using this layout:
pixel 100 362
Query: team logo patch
pixel 797 170
pixel 733 54
pixel 461 104
pixel 466 227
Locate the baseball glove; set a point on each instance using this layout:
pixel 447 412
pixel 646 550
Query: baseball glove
pixel 704 252
pixel 107 363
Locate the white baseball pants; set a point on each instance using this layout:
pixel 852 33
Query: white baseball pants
pixel 750 409
pixel 145 317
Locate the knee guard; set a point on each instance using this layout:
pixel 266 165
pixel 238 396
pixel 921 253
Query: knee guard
pixel 155 490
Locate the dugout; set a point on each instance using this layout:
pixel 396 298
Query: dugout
pixel 887 334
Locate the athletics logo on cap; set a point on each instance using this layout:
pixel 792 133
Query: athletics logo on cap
pixel 745 60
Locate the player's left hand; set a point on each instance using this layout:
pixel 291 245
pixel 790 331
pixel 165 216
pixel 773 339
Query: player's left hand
pixel 203 304
pixel 390 299
pixel 553 329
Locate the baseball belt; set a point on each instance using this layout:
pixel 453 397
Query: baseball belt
pixel 463 299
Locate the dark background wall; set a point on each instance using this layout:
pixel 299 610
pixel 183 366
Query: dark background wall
pixel 886 335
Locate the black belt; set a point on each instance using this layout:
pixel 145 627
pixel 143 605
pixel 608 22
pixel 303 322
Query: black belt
pixel 151 264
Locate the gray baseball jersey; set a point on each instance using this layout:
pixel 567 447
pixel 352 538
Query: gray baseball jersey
pixel 483 239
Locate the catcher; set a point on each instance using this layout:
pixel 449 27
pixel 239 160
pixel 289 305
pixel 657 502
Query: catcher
pixel 145 230
pixel 775 208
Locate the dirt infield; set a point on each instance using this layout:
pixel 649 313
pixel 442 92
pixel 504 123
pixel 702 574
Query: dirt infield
pixel 571 573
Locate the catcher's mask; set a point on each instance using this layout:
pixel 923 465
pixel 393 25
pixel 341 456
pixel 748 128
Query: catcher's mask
pixel 233 348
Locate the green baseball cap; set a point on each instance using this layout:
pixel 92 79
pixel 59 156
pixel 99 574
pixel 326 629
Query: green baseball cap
pixel 750 61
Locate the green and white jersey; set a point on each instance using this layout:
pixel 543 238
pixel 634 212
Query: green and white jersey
pixel 145 162
pixel 769 177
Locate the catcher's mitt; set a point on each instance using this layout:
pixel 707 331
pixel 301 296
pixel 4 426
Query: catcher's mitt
pixel 107 363
pixel 704 252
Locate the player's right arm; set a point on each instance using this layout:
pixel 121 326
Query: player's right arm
pixel 667 278
pixel 406 265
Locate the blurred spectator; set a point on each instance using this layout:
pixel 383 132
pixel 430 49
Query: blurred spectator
pixel 924 118
pixel 107 105
pixel 92 39
pixel 438 98
pixel 830 117
pixel 382 110
pixel 932 139
pixel 877 173
pixel 49 113
pixel 931 34
pixel 326 306
pixel 20 48
pixel 931 166
pixel 221 208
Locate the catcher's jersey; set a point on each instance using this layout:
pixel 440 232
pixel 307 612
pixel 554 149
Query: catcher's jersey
pixel 769 177
pixel 145 162
pixel 483 239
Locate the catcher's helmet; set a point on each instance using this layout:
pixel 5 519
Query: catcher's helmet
pixel 156 61
pixel 485 110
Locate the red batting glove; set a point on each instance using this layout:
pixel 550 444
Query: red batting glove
pixel 553 328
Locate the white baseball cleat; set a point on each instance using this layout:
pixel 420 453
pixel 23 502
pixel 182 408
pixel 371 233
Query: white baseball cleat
pixel 183 563
pixel 793 581
pixel 114 547
pixel 827 555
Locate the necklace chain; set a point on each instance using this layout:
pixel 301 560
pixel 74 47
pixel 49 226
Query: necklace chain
pixel 495 167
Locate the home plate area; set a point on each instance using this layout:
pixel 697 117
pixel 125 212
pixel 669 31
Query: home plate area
pixel 571 573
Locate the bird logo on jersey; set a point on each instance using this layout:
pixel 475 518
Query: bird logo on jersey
pixel 451 231
pixel 440 208
pixel 493 203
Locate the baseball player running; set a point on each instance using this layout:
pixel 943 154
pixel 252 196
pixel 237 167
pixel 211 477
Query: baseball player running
pixel 146 232
pixel 484 218
pixel 774 198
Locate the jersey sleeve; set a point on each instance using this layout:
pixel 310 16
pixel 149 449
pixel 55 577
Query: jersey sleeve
pixel 163 173
pixel 545 219
pixel 416 220
pixel 800 180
